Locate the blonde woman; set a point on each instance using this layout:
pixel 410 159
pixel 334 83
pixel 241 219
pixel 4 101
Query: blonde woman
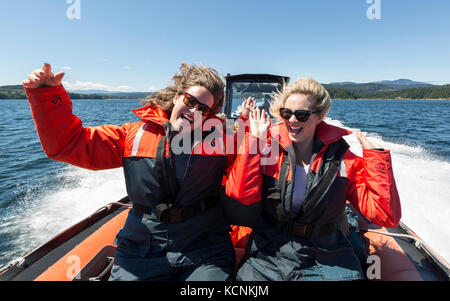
pixel 300 234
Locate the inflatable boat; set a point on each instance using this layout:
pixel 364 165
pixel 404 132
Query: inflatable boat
pixel 85 251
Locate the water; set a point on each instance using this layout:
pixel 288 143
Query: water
pixel 39 197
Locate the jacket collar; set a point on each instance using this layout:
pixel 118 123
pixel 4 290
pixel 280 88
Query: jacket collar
pixel 325 133
pixel 152 113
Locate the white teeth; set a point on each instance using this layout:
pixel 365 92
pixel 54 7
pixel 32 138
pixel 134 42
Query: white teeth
pixel 295 130
pixel 188 118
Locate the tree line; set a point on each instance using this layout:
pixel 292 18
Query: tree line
pixel 435 92
pixel 17 92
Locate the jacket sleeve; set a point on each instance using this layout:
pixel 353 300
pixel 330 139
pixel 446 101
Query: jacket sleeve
pixel 242 185
pixel 244 176
pixel 63 137
pixel 372 188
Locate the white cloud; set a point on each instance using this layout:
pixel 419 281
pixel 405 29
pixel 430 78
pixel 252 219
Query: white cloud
pixel 151 89
pixel 126 67
pixel 68 68
pixel 78 85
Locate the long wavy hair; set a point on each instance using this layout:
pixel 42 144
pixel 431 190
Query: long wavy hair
pixel 189 76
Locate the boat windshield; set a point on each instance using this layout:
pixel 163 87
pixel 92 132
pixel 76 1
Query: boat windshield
pixel 261 91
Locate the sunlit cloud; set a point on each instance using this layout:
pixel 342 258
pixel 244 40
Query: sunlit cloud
pixel 67 68
pixel 79 85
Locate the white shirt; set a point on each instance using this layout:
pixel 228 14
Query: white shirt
pixel 298 196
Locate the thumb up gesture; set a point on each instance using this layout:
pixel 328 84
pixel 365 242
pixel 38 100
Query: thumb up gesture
pixel 43 78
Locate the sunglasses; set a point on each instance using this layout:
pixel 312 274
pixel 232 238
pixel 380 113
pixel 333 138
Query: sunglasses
pixel 301 115
pixel 191 102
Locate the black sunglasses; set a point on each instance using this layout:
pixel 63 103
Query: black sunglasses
pixel 301 115
pixel 191 102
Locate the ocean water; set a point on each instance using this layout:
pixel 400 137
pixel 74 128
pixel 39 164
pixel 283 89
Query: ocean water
pixel 39 197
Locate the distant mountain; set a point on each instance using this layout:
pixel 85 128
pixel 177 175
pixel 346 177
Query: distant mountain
pixel 433 92
pixel 342 83
pixel 17 92
pixel 93 91
pixel 386 88
pixel 379 86
pixel 404 83
pixel 113 94
pixel 366 88
pixel 12 87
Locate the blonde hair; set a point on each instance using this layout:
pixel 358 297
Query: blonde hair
pixel 189 76
pixel 317 94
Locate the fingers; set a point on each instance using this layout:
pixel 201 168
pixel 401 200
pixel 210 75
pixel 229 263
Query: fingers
pixel 32 77
pixel 32 81
pixel 268 119
pixel 43 77
pixel 249 103
pixel 260 115
pixel 38 73
pixel 252 103
pixel 26 83
pixel 254 114
pixel 360 136
pixel 47 68
pixel 57 78
pixel 365 143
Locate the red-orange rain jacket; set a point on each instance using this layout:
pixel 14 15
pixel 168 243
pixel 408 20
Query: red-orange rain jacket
pixel 367 182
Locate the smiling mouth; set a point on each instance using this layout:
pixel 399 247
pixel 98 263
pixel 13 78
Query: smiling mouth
pixel 188 117
pixel 294 130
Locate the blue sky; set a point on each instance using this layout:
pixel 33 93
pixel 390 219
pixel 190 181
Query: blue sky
pixel 138 45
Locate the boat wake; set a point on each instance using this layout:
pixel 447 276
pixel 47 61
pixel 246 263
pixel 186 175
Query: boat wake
pixel 422 183
pixel 44 213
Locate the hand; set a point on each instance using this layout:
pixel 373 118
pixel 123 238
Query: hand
pixel 247 106
pixel 365 143
pixel 259 123
pixel 43 78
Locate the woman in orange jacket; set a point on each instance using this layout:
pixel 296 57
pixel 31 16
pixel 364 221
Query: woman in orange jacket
pixel 175 229
pixel 308 174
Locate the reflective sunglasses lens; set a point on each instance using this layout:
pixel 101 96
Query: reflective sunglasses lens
pixel 302 116
pixel 285 114
pixel 189 100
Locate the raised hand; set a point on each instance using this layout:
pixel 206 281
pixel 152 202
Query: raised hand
pixel 365 143
pixel 247 106
pixel 43 78
pixel 259 123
